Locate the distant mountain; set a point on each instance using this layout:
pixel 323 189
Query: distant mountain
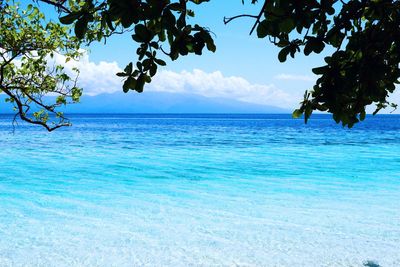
pixel 159 102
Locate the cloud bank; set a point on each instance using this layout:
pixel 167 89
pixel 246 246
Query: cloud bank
pixel 215 84
pixel 94 78
pixel 98 78
pixel 292 77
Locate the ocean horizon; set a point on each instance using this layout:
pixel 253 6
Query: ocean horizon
pixel 200 190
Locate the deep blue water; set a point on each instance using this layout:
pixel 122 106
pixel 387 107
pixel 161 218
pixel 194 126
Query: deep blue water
pixel 200 190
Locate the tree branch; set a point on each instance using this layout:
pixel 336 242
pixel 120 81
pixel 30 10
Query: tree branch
pixel 57 4
pixel 258 17
pixel 22 113
pixel 227 20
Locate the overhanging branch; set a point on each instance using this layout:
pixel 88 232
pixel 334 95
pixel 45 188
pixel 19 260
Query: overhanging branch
pixel 259 17
pixel 22 113
pixel 57 4
pixel 227 20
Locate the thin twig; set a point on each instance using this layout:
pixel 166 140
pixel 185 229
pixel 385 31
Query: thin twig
pixel 227 20
pixel 23 117
pixel 59 5
pixel 258 17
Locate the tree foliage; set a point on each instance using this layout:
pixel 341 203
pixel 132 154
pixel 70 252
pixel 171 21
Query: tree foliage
pixel 27 44
pixel 364 67
pixel 154 23
pixel 360 36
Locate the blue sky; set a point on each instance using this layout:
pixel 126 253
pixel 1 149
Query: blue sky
pixel 243 68
pixel 237 53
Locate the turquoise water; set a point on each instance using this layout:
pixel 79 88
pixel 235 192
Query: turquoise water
pixel 200 190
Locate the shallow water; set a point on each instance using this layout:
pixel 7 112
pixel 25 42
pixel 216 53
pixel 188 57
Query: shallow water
pixel 200 190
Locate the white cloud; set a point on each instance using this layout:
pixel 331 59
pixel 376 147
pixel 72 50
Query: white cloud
pixel 94 78
pixel 394 98
pixel 292 77
pixel 215 84
pixel 100 78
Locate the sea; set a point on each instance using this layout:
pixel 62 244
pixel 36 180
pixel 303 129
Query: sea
pixel 200 190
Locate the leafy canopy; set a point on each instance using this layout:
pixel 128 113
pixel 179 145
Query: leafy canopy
pixel 27 43
pixel 154 23
pixel 363 68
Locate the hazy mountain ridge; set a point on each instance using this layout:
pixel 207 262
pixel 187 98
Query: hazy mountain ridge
pixel 158 102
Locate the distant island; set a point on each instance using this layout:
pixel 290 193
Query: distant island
pixel 158 102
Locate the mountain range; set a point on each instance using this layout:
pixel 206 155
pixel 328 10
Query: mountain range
pixel 158 102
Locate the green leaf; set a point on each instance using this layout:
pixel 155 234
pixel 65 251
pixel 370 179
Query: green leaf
pixel 153 69
pixel 142 33
pixel 140 83
pixel 211 46
pixel 128 69
pixel 282 56
pixel 125 87
pixel 319 70
pixel 199 1
pixel 81 28
pixel 319 46
pixel 160 62
pixel 61 100
pixel 362 115
pixel 262 29
pixel 308 48
pixel 130 83
pixel 122 74
pixel 287 25
pixel 175 7
pixel 297 114
pixel 70 18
